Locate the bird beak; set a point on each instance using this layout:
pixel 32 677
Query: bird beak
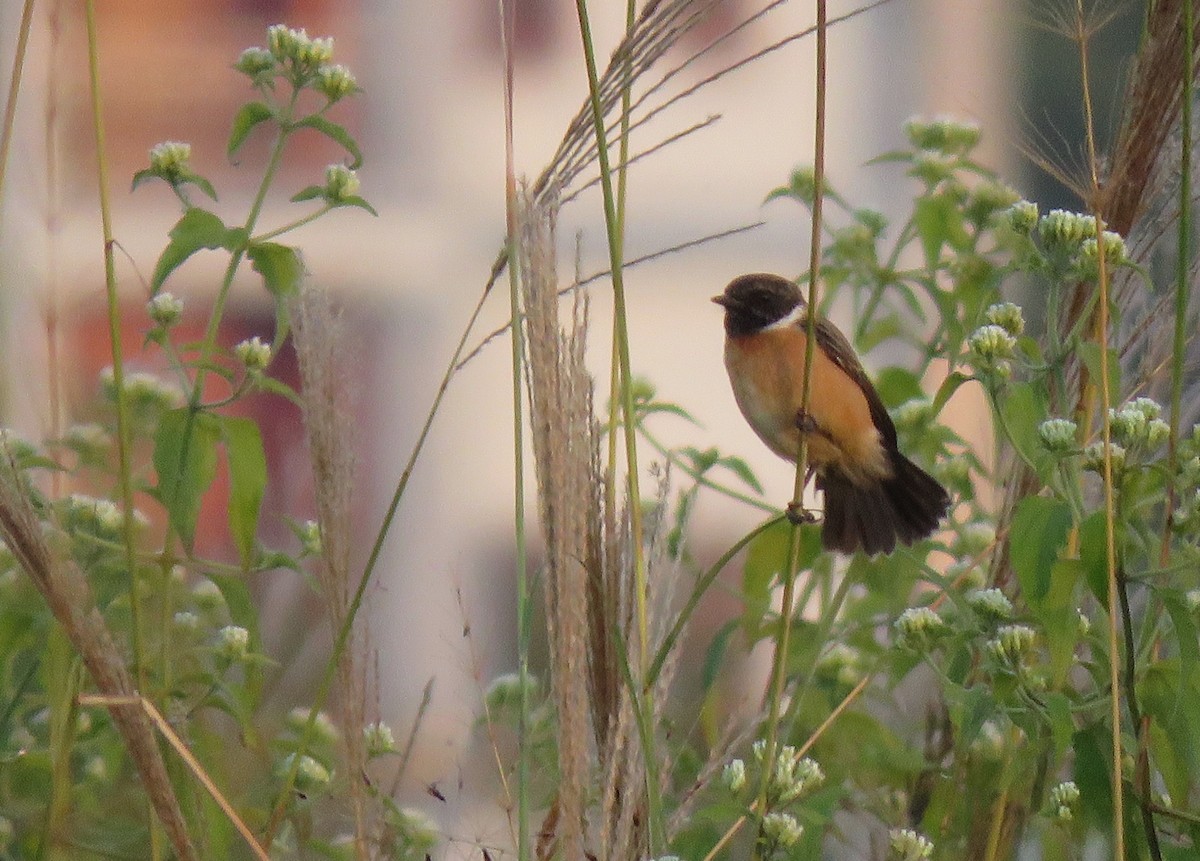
pixel 720 300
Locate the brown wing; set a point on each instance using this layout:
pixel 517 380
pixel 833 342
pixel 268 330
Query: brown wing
pixel 835 345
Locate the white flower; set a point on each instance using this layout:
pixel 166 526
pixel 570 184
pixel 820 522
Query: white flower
pixel 170 159
pixel 164 309
pixel 378 738
pixel 907 845
pixel 991 603
pixel 734 775
pixel 782 829
pixel 311 776
pixel 1012 644
pixel 1007 316
pixel 324 731
pixel 1058 435
pixel 233 642
pixel 253 353
pixel 918 628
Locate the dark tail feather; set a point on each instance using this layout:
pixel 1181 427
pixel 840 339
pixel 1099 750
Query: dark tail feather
pixel 908 506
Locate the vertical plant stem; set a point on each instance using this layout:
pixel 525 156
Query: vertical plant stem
pixel 1182 269
pixel 524 852
pixel 114 330
pixel 14 89
pixel 1110 546
pixel 629 426
pixel 796 508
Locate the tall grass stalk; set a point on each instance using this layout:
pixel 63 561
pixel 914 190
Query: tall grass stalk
pixel 1110 549
pixel 796 508
pixel 613 228
pixel 524 850
pixel 14 90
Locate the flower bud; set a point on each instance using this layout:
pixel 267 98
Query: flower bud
pixel 165 310
pixel 253 354
pixel 904 844
pixel 1093 458
pixel 233 642
pixel 255 62
pixel 335 82
pixel 378 739
pixel 992 604
pixel 1007 316
pixel 1022 217
pixel 992 343
pixel 782 829
pixel 942 134
pixel 340 183
pixel 311 776
pixel 919 628
pixel 1058 435
pixel 734 775
pixel 1012 645
pixel 170 160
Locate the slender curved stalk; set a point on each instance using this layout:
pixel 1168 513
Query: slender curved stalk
pixel 612 222
pixel 1110 547
pixel 524 849
pixel 14 89
pixel 796 508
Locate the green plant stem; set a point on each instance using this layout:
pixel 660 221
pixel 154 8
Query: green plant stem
pixel 14 90
pixel 796 508
pixel 656 827
pixel 1101 334
pixel 290 226
pixel 512 219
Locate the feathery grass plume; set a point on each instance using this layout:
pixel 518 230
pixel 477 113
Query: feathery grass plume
pixel 330 431
pixel 566 457
pixel 66 592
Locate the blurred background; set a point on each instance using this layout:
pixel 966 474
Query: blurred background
pixel 430 123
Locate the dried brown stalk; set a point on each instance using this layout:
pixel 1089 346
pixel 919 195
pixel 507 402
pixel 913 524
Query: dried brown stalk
pixel 70 600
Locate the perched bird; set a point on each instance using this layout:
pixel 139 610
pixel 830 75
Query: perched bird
pixel 874 495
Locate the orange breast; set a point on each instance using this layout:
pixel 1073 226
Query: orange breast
pixel 767 373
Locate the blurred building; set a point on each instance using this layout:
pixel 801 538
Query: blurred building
pixel 431 127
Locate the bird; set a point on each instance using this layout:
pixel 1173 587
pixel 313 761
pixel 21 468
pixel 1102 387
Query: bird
pixel 874 496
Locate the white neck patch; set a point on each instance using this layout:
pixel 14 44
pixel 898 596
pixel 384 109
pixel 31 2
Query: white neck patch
pixel 790 319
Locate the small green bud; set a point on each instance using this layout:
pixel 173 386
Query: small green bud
pixel 312 777
pixel 1012 645
pixel 919 628
pixel 255 63
pixel 1064 798
pixel 378 739
pixel 1007 316
pixel 734 775
pixel 335 82
pixel 932 166
pixel 1022 217
pixel 1093 458
pixel 253 354
pixel 340 183
pixel 186 620
pixel 1058 435
pixel 1115 254
pixel 208 596
pixel 170 160
pixel 233 642
pixel 310 538
pixel 904 844
pixel 913 414
pixel 325 733
pixel 841 663
pixel 782 829
pixel 165 310
pixel 1065 230
pixel 943 135
pixel 992 604
pixel 988 198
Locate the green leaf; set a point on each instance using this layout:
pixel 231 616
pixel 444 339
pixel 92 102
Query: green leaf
pixel 336 133
pixel 1039 529
pixel 251 115
pixel 279 265
pixel 939 221
pixel 898 385
pixel 247 480
pixel 1093 553
pixel 742 470
pixel 311 193
pixel 715 654
pixel 185 458
pixel 200 182
pixel 355 200
pixel 947 389
pixel 196 230
pixel 1024 409
pixel 142 176
pixel 277 387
